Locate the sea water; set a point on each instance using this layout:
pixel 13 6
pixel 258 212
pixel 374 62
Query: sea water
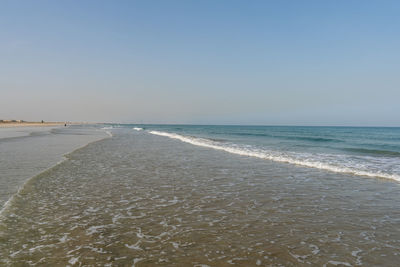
pixel 213 196
pixel 365 151
pixel 27 151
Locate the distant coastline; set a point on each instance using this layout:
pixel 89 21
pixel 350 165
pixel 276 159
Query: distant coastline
pixel 19 123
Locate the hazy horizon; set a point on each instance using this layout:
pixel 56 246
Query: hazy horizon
pixel 184 62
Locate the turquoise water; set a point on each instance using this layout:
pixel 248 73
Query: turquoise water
pixel 365 151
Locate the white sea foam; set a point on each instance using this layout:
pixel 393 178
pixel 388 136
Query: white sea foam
pixel 336 263
pixel 94 229
pixel 9 201
pixel 73 260
pixel 306 160
pixel 108 128
pixel 134 246
pixel 7 204
pixel 137 128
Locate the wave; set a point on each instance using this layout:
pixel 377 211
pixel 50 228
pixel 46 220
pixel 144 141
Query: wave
pixel 254 134
pixel 8 203
pixel 313 139
pixel 302 138
pixel 374 152
pixel 28 135
pixel 276 156
pixel 137 128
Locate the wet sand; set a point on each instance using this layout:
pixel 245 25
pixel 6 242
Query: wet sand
pixel 29 150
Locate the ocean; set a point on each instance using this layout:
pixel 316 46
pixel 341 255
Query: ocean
pixel 365 151
pixel 189 195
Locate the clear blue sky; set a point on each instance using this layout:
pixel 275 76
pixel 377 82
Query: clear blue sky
pixel 216 62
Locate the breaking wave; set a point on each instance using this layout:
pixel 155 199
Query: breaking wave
pixel 329 162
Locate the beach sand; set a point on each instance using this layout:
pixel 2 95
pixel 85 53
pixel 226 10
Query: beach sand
pixel 32 124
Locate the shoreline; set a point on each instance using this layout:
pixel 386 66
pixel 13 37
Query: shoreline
pixel 34 124
pixel 38 124
pixel 64 157
pixel 38 162
pixel 118 196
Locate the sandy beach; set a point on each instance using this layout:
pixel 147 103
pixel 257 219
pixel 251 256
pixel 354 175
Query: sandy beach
pixel 200 133
pixel 36 124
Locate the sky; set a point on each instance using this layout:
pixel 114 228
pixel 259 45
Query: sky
pixel 201 62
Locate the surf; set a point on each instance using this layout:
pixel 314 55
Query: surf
pixel 296 159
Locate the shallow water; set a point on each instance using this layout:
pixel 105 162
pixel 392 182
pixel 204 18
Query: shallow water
pixel 144 200
pixel 27 151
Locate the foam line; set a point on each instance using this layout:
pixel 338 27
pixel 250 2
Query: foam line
pixel 9 201
pixel 262 154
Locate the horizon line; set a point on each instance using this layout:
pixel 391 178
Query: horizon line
pixel 251 125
